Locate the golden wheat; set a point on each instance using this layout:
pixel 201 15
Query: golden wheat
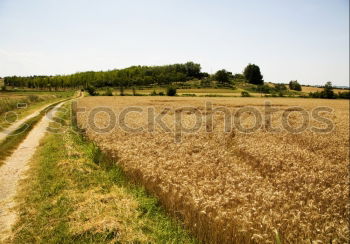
pixel 236 187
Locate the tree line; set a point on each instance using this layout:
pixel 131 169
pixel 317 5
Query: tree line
pixel 128 77
pixel 136 76
pixel 166 75
pixel 251 74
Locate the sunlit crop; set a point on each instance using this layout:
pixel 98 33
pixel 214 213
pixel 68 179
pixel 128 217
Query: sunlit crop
pixel 236 187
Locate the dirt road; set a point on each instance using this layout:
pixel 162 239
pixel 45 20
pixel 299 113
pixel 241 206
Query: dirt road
pixel 13 170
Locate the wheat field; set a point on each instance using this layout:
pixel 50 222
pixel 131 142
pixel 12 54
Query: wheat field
pixel 234 187
pixel 308 89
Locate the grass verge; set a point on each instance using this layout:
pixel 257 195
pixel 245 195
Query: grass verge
pixel 75 194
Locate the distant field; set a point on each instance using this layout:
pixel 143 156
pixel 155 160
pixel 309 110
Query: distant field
pixel 196 91
pixel 209 90
pixel 308 89
pixel 221 91
pixel 191 90
pixel 235 187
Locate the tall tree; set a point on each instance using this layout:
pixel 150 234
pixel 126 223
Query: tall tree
pixel 253 75
pixel 193 70
pixel 223 76
pixel 328 90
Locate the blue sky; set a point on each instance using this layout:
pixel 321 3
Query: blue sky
pixel 307 40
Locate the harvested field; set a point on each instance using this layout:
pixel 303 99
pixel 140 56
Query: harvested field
pixel 235 187
pixel 308 89
pixel 224 92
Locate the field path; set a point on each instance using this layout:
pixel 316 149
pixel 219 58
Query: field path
pixel 14 167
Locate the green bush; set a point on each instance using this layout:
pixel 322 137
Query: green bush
pixel 91 90
pixel 245 94
pixel 171 91
pixel 344 95
pixel 294 85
